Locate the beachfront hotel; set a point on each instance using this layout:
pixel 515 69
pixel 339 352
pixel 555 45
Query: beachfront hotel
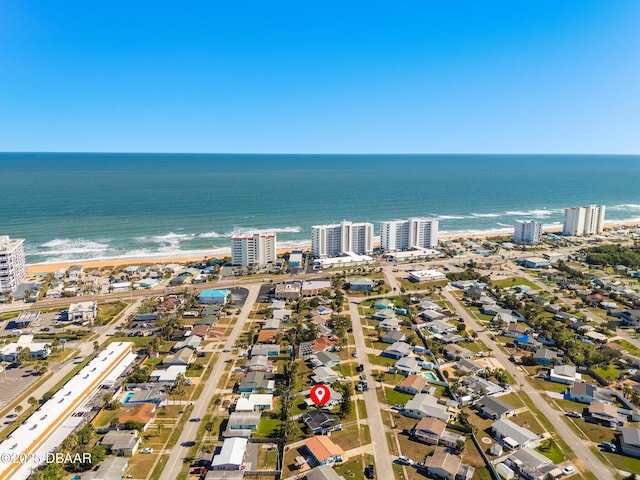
pixel 13 268
pixel 339 239
pixel 527 232
pixel 588 220
pixel 416 232
pixel 253 249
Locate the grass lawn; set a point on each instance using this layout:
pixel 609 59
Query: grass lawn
pixel 381 361
pixel 140 465
pixel 416 451
pixel 475 346
pixel 595 433
pixel 137 341
pixel 346 369
pixel 267 459
pixel 527 420
pixel 103 419
pixel 268 428
pixel 550 450
pixel 550 386
pixel 348 438
pixel 352 470
pixel 622 462
pixel 512 282
pixel 394 397
pixel 512 399
pixel 630 348
pixel 107 311
pixel 611 372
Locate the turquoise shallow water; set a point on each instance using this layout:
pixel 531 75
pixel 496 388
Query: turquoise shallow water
pixel 82 206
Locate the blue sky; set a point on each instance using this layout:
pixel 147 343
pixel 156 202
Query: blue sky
pixel 320 76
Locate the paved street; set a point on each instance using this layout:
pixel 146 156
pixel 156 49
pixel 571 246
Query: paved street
pixel 383 459
pixel 587 460
pixel 179 452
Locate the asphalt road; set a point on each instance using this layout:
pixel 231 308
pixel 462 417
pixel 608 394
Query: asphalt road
pixel 179 452
pixel 587 460
pixel 383 459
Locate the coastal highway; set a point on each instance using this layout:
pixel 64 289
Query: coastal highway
pixel 588 461
pixel 179 452
pixel 383 459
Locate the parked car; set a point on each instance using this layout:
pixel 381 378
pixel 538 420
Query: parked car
pixel 568 470
pixel 146 450
pixel 370 471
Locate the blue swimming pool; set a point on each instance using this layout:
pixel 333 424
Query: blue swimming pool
pixel 127 397
pixel 431 376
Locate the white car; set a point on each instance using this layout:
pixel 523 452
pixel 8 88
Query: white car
pixel 146 450
pixel 568 470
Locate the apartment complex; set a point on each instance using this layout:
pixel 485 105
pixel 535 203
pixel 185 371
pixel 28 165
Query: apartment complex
pixel 13 268
pixel 253 249
pixel 338 239
pixel 527 232
pixel 416 232
pixel 588 220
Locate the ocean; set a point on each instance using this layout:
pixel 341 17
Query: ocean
pixel 98 206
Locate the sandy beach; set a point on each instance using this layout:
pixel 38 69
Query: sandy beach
pixel 114 262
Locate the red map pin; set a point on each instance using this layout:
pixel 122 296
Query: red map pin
pixel 320 395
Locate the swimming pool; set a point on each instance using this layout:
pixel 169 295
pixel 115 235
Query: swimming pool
pixel 127 397
pixel 431 376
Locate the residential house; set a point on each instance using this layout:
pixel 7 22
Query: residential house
pixel 256 382
pixel 142 414
pixel 630 441
pixel 184 356
pixel 82 311
pixel 431 315
pixel 383 303
pixel 516 330
pixel 267 336
pixel 412 385
pixel 424 405
pixel 327 359
pixel 494 408
pixel 323 451
pixel 440 327
pixel 169 375
pixel 408 366
pixel 512 435
pixel 456 352
pixel 242 424
pixel 444 464
pixel 581 392
pixel 324 375
pixel 397 350
pixel 470 366
pixel 429 430
pixel 111 468
pixel 479 386
pixel 323 473
pixel 147 393
pixel 314 288
pixel 393 337
pixel 604 414
pixel 564 374
pixel 383 315
pixel 231 456
pixel 121 442
pixel 389 325
pixel 532 465
pixel 214 297
pixel 320 422
pixel 361 284
pixel 544 356
pixel 335 398
pixel 260 363
pixel 267 349
pixel 255 402
pixel 192 341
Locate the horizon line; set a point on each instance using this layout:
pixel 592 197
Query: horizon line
pixel 56 152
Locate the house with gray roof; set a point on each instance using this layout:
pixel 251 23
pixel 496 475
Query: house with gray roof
pixel 424 405
pixel 112 468
pixel 361 284
pixel 492 407
pixel 470 366
pixel 324 472
pixel 397 350
pixel 121 442
pixel 242 424
pixel 513 436
pixel 408 366
pixel 544 356
pixel 257 382
pixel 564 374
pixel 630 441
pixel 324 375
pixel 393 337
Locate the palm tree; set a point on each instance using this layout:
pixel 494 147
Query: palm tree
pixel 33 401
pixel 18 408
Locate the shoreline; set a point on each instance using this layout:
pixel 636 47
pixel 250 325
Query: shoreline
pixel 39 268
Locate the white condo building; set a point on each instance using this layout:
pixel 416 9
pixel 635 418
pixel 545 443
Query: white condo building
pixel 13 268
pixel 579 221
pixel 253 249
pixel 527 232
pixel 416 232
pixel 338 239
